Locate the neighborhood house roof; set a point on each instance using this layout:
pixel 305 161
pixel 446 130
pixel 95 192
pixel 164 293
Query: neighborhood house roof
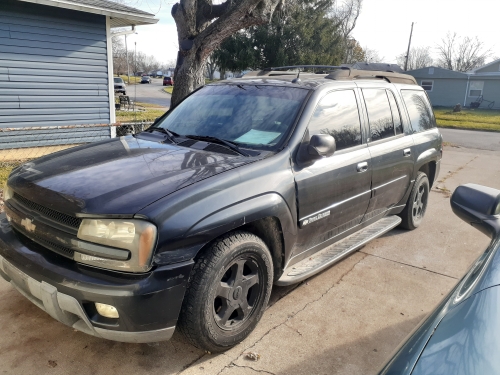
pixel 120 15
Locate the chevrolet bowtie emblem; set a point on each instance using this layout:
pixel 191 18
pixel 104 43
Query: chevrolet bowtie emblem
pixel 28 225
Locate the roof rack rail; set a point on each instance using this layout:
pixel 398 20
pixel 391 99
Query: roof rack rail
pixel 307 67
pixel 372 74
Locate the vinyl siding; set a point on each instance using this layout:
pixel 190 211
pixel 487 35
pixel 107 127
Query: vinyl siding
pixel 446 92
pixel 491 91
pixel 53 72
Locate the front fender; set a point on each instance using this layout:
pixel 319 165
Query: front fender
pixel 230 218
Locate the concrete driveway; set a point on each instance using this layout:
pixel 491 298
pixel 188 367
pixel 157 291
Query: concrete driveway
pixel 346 320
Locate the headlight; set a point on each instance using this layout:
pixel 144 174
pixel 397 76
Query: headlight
pixel 137 236
pixel 8 193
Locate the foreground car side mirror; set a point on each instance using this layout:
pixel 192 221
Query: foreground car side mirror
pixel 321 145
pixel 479 206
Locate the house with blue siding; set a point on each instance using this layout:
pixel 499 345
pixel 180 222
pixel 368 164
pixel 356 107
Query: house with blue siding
pixel 56 69
pixel 447 87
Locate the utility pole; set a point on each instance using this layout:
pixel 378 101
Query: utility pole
pixel 408 52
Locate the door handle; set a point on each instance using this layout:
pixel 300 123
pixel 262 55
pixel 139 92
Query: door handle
pixel 407 152
pixel 362 167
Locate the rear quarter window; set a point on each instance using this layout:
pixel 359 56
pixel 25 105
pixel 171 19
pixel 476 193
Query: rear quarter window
pixel 419 110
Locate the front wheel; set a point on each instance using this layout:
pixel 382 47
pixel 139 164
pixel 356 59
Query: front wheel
pixel 228 291
pixel 416 205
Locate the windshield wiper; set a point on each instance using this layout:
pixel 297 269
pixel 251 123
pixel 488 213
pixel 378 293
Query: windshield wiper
pixel 170 134
pixel 228 144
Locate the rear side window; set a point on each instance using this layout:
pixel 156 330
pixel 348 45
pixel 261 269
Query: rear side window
pixel 396 116
pixel 379 114
pixel 419 109
pixel 337 114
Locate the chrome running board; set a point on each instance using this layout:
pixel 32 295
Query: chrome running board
pixel 337 251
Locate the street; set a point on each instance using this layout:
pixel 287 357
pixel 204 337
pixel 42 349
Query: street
pixel 149 93
pixel 472 139
pixel 345 320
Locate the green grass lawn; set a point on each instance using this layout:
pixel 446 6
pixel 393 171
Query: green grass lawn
pixel 476 119
pixel 150 112
pixel 4 173
pixel 133 79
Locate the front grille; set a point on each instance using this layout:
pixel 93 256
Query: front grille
pixel 48 212
pixel 56 248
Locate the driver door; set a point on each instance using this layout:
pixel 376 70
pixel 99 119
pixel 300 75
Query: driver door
pixel 333 192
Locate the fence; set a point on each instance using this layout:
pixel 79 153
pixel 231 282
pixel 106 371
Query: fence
pixel 22 144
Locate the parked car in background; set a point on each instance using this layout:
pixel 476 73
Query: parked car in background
pixel 461 336
pixel 168 81
pixel 146 79
pixel 120 87
pixel 246 183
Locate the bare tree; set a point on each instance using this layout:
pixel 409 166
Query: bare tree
pixel 461 54
pixel 353 52
pixel 119 56
pixel 372 56
pixel 202 26
pixel 211 67
pixel 346 13
pixel 419 57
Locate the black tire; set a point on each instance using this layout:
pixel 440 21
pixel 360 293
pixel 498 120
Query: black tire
pixel 227 293
pixel 416 205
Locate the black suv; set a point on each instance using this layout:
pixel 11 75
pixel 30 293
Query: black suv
pixel 257 181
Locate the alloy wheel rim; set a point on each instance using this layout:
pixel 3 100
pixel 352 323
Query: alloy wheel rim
pixel 237 293
pixel 419 203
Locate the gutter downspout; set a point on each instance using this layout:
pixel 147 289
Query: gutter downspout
pixel 466 89
pixel 111 83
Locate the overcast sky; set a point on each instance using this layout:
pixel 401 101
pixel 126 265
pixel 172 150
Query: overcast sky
pixel 384 25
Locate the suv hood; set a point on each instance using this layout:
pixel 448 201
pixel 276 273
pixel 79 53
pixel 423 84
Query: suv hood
pixel 118 176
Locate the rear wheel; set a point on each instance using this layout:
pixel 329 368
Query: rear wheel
pixel 415 208
pixel 228 291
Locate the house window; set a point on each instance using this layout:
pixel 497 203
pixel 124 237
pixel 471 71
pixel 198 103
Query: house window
pixel 476 88
pixel 427 85
pixel 431 70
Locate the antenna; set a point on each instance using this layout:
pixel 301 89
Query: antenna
pixel 297 80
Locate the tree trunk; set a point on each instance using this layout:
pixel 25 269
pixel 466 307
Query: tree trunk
pixel 202 26
pixel 188 76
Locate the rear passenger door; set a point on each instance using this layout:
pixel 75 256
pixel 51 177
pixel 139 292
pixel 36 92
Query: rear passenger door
pixel 333 192
pixel 390 150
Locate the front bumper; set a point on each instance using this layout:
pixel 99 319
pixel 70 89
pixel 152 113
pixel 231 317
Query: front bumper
pixel 148 304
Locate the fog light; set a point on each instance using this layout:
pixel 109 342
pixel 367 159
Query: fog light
pixel 107 311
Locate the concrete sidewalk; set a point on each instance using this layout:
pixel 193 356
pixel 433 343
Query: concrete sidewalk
pixel 346 320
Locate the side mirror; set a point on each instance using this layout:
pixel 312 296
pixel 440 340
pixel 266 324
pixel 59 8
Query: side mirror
pixel 479 206
pixel 321 145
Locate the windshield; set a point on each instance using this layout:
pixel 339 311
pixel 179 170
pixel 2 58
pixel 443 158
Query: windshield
pixel 118 80
pixel 251 115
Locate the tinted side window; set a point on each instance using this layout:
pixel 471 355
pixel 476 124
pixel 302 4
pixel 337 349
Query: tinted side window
pixel 379 114
pixel 419 109
pixel 396 117
pixel 337 114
